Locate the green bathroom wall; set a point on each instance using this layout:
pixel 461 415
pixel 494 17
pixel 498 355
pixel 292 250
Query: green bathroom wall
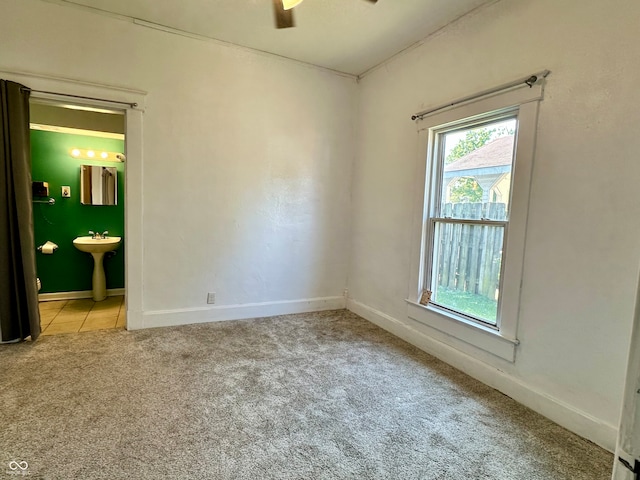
pixel 68 269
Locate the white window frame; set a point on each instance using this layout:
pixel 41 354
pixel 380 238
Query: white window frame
pixel 501 340
pixel 435 201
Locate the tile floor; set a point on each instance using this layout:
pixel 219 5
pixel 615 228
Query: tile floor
pixel 71 316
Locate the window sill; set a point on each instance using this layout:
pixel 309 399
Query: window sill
pixel 477 335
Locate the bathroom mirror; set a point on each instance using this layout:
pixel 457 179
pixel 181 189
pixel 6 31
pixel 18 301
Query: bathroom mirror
pixel 98 185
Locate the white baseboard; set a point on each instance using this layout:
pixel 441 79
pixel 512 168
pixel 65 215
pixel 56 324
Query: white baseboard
pixel 49 297
pixel 166 318
pixel 579 422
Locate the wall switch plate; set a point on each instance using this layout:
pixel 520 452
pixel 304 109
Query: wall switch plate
pixel 66 192
pixel 211 297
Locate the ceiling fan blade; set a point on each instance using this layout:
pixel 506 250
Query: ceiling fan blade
pixel 284 18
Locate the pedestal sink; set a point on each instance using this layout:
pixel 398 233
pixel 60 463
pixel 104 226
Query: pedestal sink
pixel 97 247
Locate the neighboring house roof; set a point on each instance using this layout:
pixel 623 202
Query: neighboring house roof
pixel 495 154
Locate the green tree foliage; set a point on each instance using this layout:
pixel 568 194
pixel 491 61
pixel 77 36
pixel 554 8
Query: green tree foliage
pixel 466 189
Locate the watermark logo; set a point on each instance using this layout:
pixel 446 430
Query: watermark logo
pixel 18 467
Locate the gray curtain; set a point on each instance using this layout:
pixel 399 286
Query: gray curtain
pixel 19 315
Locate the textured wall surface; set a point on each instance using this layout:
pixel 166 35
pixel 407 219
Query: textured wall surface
pixel 246 156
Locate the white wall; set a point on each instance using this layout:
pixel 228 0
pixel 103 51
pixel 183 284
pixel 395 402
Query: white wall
pixel 582 250
pixel 246 158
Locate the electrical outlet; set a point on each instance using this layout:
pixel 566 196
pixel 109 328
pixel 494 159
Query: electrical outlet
pixel 66 192
pixel 211 297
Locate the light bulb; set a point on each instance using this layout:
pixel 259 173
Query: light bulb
pixel 104 154
pixel 289 4
pixel 91 154
pixel 75 152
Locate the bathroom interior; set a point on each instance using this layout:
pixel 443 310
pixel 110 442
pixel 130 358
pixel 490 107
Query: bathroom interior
pixel 78 175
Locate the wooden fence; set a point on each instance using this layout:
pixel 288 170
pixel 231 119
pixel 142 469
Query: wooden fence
pixel 469 256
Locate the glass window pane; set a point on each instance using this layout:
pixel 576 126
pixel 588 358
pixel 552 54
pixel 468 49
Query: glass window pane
pixel 476 175
pixel 466 274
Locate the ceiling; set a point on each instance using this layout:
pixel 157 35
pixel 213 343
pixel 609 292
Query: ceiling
pixel 349 36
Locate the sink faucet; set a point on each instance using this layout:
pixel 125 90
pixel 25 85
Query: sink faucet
pixel 98 236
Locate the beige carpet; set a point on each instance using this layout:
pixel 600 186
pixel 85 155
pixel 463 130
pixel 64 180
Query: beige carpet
pixel 314 396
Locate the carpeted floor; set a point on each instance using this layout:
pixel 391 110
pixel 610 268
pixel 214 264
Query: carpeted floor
pixel 314 396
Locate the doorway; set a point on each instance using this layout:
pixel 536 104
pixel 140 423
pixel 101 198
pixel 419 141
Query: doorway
pixel 67 142
pixel 60 89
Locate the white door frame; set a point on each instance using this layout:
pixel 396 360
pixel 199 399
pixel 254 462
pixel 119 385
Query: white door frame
pixel 628 445
pixel 134 165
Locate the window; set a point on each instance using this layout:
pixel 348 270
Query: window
pixel 471 213
pixel 469 216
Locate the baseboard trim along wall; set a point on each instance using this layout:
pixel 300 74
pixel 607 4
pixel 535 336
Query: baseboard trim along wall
pixel 166 318
pixel 49 297
pixel 579 422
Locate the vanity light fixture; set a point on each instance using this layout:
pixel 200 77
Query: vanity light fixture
pixel 86 154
